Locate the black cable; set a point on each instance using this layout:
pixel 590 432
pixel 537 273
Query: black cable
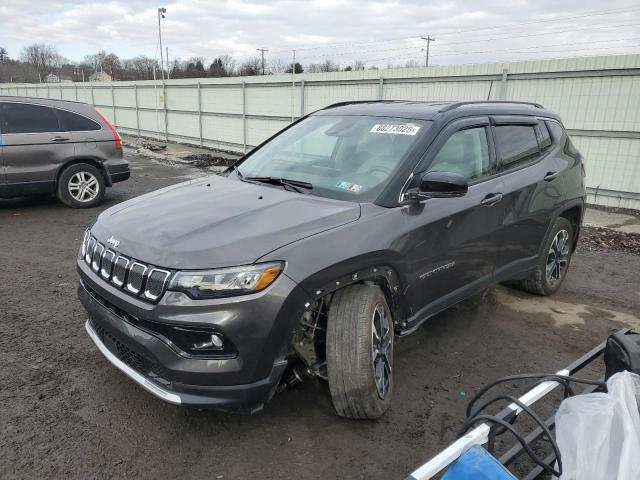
pixel 525 376
pixel 530 412
pixel 525 446
pixel 568 391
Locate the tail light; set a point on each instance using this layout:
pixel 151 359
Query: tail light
pixel 116 135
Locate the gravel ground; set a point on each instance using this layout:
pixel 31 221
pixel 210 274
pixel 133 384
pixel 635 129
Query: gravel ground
pixel 66 412
pixel 599 238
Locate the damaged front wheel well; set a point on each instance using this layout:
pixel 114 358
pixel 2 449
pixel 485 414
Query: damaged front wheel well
pixel 309 339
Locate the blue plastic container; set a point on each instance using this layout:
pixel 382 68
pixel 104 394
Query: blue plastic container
pixel 477 464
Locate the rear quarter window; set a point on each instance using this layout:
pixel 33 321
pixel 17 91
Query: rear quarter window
pixel 516 144
pixel 545 136
pixel 72 122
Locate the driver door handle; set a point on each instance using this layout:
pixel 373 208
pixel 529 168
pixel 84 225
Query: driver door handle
pixel 61 139
pixel 491 199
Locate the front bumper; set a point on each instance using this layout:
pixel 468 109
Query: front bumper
pixel 246 381
pixel 250 397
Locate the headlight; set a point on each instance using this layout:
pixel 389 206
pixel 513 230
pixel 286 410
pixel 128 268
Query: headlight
pixel 226 282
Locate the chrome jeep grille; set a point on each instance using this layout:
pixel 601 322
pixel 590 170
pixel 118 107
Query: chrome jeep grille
pixel 133 277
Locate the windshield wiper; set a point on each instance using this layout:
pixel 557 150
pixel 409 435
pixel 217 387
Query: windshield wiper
pixel 296 185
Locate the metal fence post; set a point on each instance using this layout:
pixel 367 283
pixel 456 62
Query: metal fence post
pixel 93 101
pixel 244 117
pixel 48 94
pixel 302 98
pixel 75 92
pixel 381 89
pixel 135 95
pixel 200 113
pixel 503 85
pixel 166 121
pixel 113 106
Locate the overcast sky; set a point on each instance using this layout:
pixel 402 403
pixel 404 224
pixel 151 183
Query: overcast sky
pixel 377 32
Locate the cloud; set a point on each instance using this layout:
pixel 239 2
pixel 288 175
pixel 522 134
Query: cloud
pixel 379 32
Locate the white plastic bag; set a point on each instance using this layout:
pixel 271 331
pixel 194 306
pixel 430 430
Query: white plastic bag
pixel 598 434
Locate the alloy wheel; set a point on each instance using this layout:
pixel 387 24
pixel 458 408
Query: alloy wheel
pixel 558 257
pixel 382 350
pixel 83 186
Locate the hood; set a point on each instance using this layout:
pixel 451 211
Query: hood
pixel 217 222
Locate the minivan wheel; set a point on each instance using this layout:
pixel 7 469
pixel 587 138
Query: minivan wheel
pixel 81 186
pixel 359 348
pixel 554 262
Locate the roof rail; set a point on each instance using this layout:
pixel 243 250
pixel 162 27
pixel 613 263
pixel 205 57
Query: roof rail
pixel 352 102
pixel 451 106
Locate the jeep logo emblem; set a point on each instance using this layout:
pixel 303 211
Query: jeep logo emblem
pixel 113 242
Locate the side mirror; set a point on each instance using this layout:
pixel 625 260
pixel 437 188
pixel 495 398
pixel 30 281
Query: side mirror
pixel 438 185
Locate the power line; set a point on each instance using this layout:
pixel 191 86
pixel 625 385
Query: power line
pixel 478 40
pixel 363 52
pixel 446 53
pixel 454 32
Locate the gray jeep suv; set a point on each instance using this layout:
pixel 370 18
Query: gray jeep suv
pixel 315 251
pixel 57 146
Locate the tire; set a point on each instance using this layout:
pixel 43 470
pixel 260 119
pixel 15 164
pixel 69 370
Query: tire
pixel 560 240
pixel 350 352
pixel 81 186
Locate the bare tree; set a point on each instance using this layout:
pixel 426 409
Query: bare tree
pixel 43 58
pixel 278 66
pixel 326 66
pixel 250 67
pixel 229 64
pixel 142 67
pixel 111 64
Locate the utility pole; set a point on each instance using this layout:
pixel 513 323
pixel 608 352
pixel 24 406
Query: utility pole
pixel 428 39
pixel 161 12
pixel 293 81
pixel 262 50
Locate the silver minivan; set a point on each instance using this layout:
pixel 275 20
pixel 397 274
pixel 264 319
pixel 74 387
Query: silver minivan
pixel 58 146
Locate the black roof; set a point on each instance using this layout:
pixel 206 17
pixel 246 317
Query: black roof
pixel 429 110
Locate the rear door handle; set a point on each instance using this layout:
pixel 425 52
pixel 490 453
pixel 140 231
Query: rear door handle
pixel 551 176
pixel 61 139
pixel 491 199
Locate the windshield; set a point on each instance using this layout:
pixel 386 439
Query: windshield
pixel 343 157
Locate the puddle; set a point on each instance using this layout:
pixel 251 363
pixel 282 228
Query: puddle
pixel 563 313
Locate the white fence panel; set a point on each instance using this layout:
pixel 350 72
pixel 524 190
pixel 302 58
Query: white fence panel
pixel 597 97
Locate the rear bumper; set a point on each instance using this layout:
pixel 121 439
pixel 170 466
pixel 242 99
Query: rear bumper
pixel 120 176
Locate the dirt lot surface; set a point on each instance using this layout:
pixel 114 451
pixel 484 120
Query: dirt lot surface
pixel 66 412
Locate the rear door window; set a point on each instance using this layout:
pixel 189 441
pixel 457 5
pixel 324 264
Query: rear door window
pixel 72 122
pixel 516 145
pixel 28 118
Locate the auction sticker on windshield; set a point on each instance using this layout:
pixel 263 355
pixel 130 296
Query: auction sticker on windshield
pixel 396 129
